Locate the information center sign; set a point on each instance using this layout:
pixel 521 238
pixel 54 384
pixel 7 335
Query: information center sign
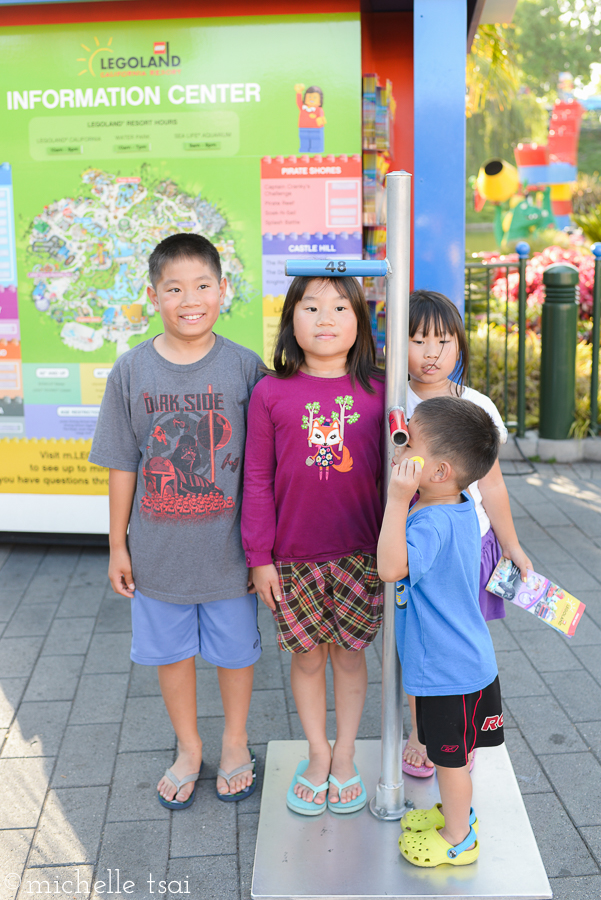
pixel 116 135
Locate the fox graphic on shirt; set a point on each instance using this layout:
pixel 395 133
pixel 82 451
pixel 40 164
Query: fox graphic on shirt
pixel 327 434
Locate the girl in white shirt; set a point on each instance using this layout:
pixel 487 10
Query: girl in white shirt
pixel 438 358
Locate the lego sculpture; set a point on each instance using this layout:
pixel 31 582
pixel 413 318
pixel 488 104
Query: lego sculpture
pixel 538 194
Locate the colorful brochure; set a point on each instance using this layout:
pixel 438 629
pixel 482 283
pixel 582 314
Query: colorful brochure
pixel 537 595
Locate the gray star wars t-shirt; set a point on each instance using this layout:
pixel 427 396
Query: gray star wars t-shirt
pixel 182 429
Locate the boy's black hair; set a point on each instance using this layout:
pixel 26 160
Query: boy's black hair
pixel 430 310
pixel 314 90
pixel 461 432
pixel 182 246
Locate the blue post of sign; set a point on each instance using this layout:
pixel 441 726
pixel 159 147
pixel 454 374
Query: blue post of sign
pixel 439 34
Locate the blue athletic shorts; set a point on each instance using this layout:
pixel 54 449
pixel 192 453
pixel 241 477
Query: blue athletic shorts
pixel 224 632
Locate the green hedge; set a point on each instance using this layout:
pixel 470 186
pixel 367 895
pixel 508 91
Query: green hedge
pixel 477 374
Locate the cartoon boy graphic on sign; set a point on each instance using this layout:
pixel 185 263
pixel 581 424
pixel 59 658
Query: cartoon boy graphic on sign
pixel 311 118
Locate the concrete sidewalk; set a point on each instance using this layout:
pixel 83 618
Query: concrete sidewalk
pixel 85 737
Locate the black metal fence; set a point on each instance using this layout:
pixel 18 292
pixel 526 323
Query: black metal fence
pixel 483 307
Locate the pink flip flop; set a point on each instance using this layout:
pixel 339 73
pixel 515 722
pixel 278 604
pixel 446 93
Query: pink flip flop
pixel 422 771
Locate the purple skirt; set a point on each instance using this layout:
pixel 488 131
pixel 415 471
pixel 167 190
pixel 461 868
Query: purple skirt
pixel 492 607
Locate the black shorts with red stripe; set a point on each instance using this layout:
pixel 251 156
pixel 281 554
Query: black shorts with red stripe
pixel 451 727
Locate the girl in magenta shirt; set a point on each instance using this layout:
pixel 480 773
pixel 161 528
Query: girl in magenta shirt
pixel 311 515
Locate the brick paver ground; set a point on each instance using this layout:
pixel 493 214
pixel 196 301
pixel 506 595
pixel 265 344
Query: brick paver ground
pixel 85 737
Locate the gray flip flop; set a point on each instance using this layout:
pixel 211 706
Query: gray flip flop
pixel 241 795
pixel 176 804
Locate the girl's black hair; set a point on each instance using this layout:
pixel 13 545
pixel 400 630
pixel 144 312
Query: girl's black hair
pixel 361 360
pixel 430 310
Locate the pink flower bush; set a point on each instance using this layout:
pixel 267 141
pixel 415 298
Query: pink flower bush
pixel 535 292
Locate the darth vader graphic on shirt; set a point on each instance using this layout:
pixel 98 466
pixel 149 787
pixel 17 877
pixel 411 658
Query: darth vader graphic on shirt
pixel 181 465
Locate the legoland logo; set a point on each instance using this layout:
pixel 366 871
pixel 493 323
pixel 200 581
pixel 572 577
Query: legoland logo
pixel 491 723
pixel 103 61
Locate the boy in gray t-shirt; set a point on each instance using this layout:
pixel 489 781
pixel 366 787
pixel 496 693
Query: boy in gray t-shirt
pixel 171 430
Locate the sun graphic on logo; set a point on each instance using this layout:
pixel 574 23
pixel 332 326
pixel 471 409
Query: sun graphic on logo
pixel 90 59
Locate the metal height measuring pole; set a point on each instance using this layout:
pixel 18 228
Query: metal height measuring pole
pixel 389 801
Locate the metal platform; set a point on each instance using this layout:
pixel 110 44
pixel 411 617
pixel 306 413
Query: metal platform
pixel 357 856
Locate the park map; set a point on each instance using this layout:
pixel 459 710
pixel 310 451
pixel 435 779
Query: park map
pixel 88 255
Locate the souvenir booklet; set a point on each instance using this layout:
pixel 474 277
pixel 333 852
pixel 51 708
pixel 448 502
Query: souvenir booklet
pixel 537 595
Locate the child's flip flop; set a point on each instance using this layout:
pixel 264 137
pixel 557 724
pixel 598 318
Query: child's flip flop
pixel 241 795
pixel 422 771
pixel 176 804
pixel 303 807
pixel 429 849
pixel 417 820
pixel 352 805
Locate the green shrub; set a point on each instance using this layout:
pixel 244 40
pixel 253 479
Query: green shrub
pixel 590 222
pixel 587 193
pixel 497 368
pixel 477 373
pixel 582 420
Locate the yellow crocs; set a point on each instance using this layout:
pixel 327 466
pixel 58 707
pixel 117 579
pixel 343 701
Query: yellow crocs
pixel 429 849
pixel 417 820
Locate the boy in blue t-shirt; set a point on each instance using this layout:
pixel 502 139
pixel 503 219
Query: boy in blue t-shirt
pixel 433 553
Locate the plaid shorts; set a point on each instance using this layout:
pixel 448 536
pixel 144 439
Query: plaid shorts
pixel 336 602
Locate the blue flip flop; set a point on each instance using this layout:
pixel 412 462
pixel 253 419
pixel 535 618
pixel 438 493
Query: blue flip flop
pixel 241 795
pixel 303 807
pixel 352 805
pixel 176 804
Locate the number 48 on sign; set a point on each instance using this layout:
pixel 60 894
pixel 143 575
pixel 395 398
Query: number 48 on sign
pixel 336 268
